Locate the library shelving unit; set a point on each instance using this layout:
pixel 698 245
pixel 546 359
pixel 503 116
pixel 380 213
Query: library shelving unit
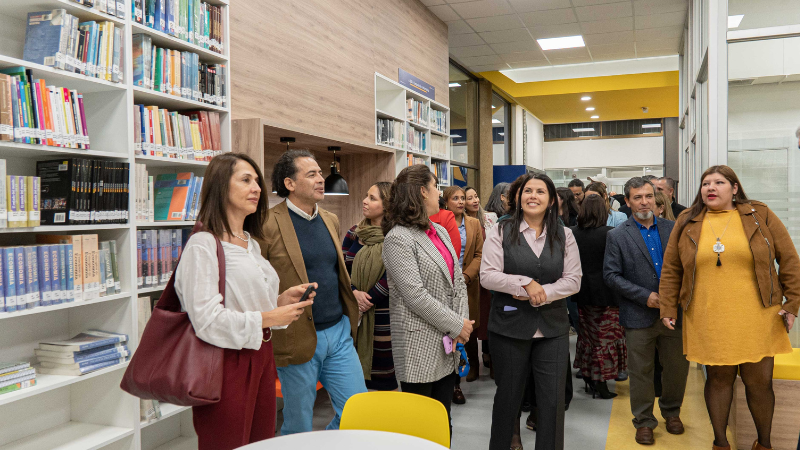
pixel 91 411
pixel 391 103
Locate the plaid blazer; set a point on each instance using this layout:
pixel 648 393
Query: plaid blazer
pixel 425 304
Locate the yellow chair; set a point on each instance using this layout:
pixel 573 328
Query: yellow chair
pixel 397 412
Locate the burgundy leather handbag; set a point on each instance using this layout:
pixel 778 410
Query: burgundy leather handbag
pixel 171 364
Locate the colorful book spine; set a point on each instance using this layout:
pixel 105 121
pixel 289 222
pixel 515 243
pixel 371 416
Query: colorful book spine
pixel 62 273
pixel 19 273
pixel 55 275
pixel 45 286
pixel 9 279
pixel 69 263
pixel 32 277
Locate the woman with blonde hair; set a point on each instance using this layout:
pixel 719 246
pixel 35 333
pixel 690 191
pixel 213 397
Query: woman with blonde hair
pixel 663 207
pixel 720 268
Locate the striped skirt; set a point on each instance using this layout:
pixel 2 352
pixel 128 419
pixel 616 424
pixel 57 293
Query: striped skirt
pixel 601 352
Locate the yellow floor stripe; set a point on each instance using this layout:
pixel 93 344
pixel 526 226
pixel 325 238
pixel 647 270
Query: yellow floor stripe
pixel 698 435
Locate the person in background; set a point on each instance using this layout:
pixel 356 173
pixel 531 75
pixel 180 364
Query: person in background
pixel 234 207
pixel 498 201
pixel 601 353
pixel 528 323
pixel 632 268
pixel 446 219
pixel 577 186
pixel 301 241
pixel 363 256
pixel 615 218
pixel 720 269
pixel 473 209
pixel 470 262
pixel 611 196
pixel 662 207
pixel 567 207
pixel 427 293
pixel 667 186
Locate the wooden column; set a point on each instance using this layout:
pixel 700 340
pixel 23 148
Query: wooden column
pixel 484 139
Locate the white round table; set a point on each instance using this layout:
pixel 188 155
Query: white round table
pixel 345 440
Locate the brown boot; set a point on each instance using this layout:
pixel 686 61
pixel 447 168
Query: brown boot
pixel 717 447
pixel 757 446
pixel 474 370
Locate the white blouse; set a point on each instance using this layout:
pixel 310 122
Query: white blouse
pixel 248 291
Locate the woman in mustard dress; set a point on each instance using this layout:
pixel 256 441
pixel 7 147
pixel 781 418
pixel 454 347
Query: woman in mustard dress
pixel 720 267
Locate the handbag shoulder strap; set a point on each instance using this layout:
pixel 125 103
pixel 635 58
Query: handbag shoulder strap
pixel 169 297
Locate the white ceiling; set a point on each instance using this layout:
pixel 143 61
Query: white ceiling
pixel 501 34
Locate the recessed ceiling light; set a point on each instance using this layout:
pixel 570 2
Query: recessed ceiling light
pixel 586 99
pixel 734 21
pixel 591 108
pixel 595 117
pixel 493 107
pixel 574 170
pixel 561 42
pixel 454 85
pixel 501 134
pixel 652 125
pixel 582 130
pixel 455 135
pixel 495 121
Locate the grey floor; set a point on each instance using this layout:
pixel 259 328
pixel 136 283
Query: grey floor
pixel 585 429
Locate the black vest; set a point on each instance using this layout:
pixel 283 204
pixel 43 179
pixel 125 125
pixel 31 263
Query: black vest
pixel 517 318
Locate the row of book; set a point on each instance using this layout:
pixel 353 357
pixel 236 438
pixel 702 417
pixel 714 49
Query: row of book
pixel 193 21
pixel 412 160
pixel 111 7
pixel 442 171
pixel 439 145
pixel 177 73
pixel 81 191
pixel 60 269
pixel 169 197
pixel 58 39
pixel 31 112
pixel 85 353
pixel 193 135
pixel 438 121
pixel 15 376
pixel 391 132
pixel 157 254
pixel 416 140
pixel 149 410
pixel 20 200
pixel 417 111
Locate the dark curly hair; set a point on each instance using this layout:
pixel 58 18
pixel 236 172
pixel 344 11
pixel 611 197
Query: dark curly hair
pixel 286 168
pixel 406 205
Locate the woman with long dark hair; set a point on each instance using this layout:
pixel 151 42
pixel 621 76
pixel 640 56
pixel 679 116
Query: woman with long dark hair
pixel 363 250
pixel 567 207
pixel 615 218
pixel 498 200
pixel 720 266
pixel 233 211
pixel 532 264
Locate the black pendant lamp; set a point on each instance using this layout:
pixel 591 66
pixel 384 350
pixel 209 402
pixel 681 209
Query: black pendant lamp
pixel 335 184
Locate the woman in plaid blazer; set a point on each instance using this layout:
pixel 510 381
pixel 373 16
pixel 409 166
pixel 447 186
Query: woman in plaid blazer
pixel 427 294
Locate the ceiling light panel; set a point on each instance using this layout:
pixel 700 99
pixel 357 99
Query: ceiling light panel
pixel 734 21
pixel 561 42
pixel 583 130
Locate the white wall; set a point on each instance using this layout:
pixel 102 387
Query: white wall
pixel 535 141
pixel 644 151
pixel 500 158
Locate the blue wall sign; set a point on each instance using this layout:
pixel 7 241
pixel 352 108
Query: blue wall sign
pixel 415 84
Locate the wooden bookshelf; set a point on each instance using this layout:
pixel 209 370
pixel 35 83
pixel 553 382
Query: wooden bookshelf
pixel 390 103
pixel 91 411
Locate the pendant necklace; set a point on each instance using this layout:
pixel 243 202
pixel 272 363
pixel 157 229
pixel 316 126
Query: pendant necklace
pixel 718 246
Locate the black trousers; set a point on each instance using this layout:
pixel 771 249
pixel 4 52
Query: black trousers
pixel 441 390
pixel 514 360
pixel 530 392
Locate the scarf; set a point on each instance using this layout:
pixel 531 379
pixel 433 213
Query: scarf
pixel 367 270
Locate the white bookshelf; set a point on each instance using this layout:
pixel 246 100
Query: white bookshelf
pixel 91 411
pixel 390 103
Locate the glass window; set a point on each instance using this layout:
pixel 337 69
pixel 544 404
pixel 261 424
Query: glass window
pixel 500 130
pixel 465 176
pixel 617 175
pixel 463 115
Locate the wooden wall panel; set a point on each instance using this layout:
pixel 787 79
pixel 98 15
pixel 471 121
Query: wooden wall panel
pixel 310 65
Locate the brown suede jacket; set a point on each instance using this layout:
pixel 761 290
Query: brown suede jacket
pixel 770 243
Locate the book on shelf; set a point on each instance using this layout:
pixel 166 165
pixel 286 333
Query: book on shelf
pixel 441 170
pixel 84 341
pixel 391 132
pixel 80 361
pixel 193 21
pixel 177 73
pixel 15 386
pixel 83 191
pixel 57 39
pixel 15 376
pixel 412 160
pixel 40 113
pixel 157 255
pixel 439 145
pixel 69 371
pixel 438 121
pixel 417 112
pixel 416 140
pixel 174 196
pixel 74 257
pixel 194 135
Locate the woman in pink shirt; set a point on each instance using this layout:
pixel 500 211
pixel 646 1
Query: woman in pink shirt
pixel 427 295
pixel 532 264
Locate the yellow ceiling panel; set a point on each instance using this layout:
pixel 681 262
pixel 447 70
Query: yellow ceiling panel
pixel 583 85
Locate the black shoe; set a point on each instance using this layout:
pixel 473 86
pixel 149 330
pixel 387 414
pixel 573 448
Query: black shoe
pixel 530 422
pixel 579 375
pixel 600 389
pixel 622 376
pixel 458 396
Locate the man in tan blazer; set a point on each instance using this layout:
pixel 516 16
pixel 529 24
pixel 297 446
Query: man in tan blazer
pixel 302 244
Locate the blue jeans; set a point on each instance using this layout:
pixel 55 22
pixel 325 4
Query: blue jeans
pixel 335 364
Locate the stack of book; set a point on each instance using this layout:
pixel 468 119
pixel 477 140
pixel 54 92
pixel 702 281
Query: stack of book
pixel 438 121
pixel 417 140
pixel 412 160
pixel 19 200
pixel 61 269
pixel 192 21
pixel 417 112
pixel 157 255
pixel 57 39
pixel 391 132
pixel 31 112
pixel 167 197
pixel 110 7
pixel 440 169
pixel 193 135
pixel 84 353
pixel 177 73
pixel 83 191
pixel 15 376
